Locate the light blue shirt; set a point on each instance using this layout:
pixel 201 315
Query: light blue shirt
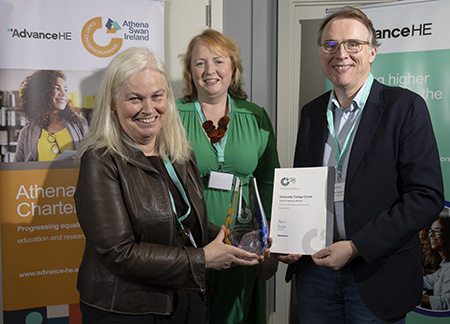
pixel 439 282
pixel 343 123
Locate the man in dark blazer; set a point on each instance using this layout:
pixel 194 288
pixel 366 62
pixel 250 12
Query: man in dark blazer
pixel 381 143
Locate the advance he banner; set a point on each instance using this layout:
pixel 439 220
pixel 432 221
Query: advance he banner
pixel 42 241
pixel 414 53
pixel 42 41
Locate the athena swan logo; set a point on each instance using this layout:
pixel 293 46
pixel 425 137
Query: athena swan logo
pixel 87 38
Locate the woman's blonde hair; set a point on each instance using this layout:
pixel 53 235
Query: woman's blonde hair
pixel 105 130
pixel 219 44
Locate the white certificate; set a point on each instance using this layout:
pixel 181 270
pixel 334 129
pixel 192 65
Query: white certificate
pixel 302 210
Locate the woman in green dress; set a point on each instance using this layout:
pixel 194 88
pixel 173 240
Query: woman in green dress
pixel 230 137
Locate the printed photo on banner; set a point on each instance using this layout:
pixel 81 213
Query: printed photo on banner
pixel 43 120
pixel 49 73
pixel 435 242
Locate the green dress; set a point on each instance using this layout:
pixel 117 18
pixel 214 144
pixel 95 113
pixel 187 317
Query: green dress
pixel 237 295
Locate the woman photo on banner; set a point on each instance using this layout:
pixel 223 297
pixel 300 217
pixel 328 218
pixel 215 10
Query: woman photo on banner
pixel 231 137
pixel 437 284
pixel 54 126
pixel 140 204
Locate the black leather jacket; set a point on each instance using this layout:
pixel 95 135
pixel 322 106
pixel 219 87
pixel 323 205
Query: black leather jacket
pixel 133 262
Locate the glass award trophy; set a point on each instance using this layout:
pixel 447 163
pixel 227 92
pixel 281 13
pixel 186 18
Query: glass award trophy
pixel 246 222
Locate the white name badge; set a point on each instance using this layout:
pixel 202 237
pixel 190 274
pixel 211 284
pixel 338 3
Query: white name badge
pixel 339 191
pixel 220 180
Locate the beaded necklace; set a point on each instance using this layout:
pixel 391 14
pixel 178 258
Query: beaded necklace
pixel 216 134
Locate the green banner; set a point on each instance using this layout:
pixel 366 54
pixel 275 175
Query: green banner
pixel 414 54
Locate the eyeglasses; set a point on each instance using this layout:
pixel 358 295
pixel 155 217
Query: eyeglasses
pixel 351 46
pixel 52 140
pixel 436 232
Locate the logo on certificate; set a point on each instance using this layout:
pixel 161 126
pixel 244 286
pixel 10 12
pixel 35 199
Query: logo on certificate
pixel 285 181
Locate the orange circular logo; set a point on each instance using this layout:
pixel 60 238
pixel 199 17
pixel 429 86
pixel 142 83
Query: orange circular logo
pixel 87 38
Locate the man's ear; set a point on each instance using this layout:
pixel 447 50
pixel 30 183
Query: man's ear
pixel 373 53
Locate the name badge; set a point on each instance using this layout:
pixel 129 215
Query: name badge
pixel 339 191
pixel 220 180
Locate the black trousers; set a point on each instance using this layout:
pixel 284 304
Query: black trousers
pixel 189 309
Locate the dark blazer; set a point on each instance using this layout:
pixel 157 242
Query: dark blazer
pixel 393 189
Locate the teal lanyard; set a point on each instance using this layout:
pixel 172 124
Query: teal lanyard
pixel 220 145
pixel 338 154
pixel 177 182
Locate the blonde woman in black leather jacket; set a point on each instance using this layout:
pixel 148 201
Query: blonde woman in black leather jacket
pixel 140 203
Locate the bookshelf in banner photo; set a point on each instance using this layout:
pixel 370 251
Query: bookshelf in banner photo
pixel 12 119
